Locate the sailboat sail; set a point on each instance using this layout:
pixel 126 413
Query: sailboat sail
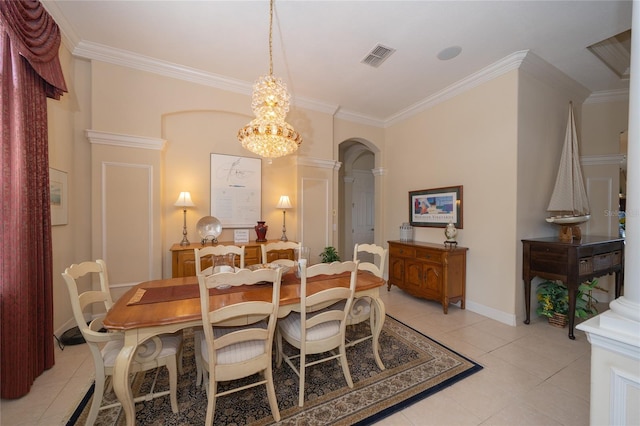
pixel 569 201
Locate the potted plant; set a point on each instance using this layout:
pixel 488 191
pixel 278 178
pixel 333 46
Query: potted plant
pixel 553 301
pixel 329 254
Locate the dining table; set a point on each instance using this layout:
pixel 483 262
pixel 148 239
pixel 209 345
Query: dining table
pixel 162 306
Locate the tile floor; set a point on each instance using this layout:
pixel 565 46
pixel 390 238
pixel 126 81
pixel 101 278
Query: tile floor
pixel 533 374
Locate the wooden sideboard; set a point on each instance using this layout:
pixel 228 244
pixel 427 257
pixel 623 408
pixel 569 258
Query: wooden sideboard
pixel 572 262
pixel 430 271
pixel 183 263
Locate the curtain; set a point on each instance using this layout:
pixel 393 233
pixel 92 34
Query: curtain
pixel 30 72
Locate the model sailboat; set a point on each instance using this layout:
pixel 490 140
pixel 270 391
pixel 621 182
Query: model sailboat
pixel 569 203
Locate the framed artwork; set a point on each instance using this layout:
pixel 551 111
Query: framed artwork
pixel 436 207
pixel 236 188
pixel 58 196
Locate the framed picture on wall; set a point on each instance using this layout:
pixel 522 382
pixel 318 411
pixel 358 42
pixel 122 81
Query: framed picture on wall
pixel 58 196
pixel 436 207
pixel 236 188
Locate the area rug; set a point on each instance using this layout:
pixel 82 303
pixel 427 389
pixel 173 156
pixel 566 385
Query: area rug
pixel 416 367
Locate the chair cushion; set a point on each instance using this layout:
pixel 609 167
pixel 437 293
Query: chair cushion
pixel 291 326
pixel 237 352
pixel 170 345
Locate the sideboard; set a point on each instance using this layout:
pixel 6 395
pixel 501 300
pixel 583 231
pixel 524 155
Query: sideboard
pixel 572 262
pixel 430 271
pixel 183 262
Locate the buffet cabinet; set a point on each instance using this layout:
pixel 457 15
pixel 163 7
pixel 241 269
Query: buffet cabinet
pixel 183 259
pixel 430 271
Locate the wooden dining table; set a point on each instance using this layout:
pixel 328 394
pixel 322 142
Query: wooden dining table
pixel 163 306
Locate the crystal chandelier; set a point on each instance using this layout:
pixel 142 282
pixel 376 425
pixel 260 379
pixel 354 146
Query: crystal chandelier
pixel 268 135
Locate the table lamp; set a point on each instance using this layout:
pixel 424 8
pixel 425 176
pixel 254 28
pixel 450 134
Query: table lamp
pixel 284 204
pixel 184 201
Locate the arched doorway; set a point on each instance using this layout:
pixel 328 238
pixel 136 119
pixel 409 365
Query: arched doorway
pixel 356 191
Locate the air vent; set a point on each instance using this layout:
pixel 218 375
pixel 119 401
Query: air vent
pixel 378 55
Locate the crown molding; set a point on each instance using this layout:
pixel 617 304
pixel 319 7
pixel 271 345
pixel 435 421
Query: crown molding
pixel 603 160
pixel 99 52
pixel 544 71
pixel 126 141
pixel 486 74
pixel 620 95
pixel 318 162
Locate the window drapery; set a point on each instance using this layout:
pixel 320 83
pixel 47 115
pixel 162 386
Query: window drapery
pixel 30 72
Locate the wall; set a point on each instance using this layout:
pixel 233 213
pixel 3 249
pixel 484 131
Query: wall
pixel 470 140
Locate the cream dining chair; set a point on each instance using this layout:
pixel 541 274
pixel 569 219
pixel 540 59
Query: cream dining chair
pixel 278 247
pixel 209 252
pixel 204 256
pixel 236 340
pixel 361 308
pixel 105 346
pixel 320 325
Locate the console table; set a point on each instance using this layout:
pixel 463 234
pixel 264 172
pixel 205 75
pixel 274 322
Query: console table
pixel 572 262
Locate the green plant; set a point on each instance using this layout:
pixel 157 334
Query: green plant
pixel 329 254
pixel 553 297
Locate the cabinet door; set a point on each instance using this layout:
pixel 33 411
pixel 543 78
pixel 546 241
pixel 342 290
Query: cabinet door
pixel 432 282
pixel 186 264
pixel 396 271
pixel 413 276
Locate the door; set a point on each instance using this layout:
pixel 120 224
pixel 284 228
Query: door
pixel 362 210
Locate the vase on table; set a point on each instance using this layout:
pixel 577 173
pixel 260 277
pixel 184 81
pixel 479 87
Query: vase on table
pixel 261 231
pixel 450 232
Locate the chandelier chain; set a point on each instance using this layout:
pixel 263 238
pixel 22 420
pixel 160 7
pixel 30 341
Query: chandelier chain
pixel 271 38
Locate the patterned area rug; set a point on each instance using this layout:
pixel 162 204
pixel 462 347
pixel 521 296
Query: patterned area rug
pixel 416 367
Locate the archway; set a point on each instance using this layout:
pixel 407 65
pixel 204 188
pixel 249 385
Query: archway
pixel 357 195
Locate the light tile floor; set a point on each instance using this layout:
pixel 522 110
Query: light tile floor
pixel 533 374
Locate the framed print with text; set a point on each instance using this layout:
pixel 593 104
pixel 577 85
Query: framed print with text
pixel 436 207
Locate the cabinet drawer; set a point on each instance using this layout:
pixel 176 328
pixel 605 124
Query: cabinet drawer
pixel 402 251
pixel 429 255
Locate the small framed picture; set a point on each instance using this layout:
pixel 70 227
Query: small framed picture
pixel 241 236
pixel 58 194
pixel 436 207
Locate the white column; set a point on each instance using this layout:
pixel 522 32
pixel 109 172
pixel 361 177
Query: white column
pixel 615 334
pixel 628 306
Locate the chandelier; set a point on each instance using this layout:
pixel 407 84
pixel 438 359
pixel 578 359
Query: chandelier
pixel 268 135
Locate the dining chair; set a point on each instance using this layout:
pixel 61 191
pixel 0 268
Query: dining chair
pixel 204 256
pixel 320 325
pixel 361 308
pixel 279 246
pixel 210 251
pixel 105 346
pixel 237 339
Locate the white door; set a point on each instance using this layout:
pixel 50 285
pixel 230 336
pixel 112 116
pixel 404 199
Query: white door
pixel 363 208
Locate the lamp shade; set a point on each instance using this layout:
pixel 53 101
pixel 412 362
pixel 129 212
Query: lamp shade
pixel 284 202
pixel 184 200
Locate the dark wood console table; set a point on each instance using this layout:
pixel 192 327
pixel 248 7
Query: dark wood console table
pixel 572 262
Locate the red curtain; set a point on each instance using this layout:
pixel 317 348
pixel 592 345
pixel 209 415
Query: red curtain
pixel 31 72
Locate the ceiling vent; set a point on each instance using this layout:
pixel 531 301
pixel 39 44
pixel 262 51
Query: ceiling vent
pixel 615 52
pixel 378 55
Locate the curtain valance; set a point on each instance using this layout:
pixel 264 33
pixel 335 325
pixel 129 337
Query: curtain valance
pixel 37 37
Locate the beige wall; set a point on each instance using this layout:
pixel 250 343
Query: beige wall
pixel 469 140
pixel 499 140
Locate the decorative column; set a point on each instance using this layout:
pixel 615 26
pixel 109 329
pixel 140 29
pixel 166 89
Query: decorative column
pixel 615 334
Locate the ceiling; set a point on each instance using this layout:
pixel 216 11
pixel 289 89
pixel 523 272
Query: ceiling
pixel 319 46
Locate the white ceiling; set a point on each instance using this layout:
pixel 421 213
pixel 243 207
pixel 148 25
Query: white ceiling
pixel 318 46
